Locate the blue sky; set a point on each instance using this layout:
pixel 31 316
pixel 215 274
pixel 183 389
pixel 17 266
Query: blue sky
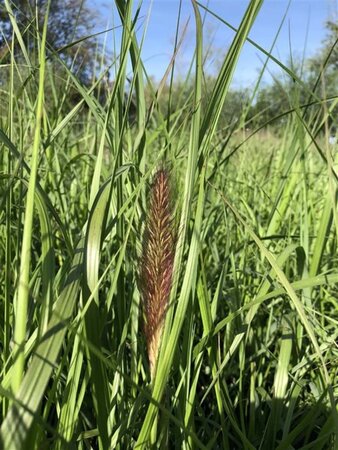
pixel 302 32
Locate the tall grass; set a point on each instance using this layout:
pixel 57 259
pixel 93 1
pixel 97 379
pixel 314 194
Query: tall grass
pixel 248 355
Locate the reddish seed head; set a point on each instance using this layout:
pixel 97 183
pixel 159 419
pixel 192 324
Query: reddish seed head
pixel 157 263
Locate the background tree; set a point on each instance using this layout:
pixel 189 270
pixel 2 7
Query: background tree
pixel 69 22
pixel 326 59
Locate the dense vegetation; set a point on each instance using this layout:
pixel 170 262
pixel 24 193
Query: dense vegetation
pixel 249 355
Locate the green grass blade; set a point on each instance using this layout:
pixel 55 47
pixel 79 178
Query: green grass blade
pixel 21 303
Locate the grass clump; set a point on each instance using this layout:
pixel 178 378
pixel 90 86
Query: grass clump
pixel 238 290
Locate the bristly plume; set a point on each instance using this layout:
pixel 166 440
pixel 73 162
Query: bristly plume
pixel 157 262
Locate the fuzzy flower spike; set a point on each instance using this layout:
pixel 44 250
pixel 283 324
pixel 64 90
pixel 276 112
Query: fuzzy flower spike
pixel 157 262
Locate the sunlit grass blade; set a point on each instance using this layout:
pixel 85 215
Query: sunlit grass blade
pixel 21 302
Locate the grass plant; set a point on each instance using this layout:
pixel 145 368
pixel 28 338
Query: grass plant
pixel 248 354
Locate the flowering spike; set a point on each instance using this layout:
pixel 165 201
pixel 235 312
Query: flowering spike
pixel 157 263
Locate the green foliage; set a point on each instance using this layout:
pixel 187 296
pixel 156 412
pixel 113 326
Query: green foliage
pixel 248 357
